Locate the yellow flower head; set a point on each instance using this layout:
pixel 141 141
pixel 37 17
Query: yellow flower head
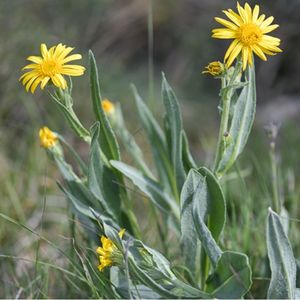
pixel 249 33
pixel 214 68
pixel 108 106
pixel 109 253
pixel 51 66
pixel 47 138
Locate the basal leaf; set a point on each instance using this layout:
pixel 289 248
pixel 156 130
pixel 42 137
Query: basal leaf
pixel 189 238
pixel 216 203
pixel 282 261
pixel 231 278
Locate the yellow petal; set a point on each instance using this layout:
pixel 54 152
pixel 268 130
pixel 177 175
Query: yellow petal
pixel 72 57
pixel 267 22
pixel 44 51
pixel 30 82
pixel 245 57
pixel 230 48
pixel 121 232
pixel 65 52
pixel 257 50
pixel 248 12
pixel 30 66
pixel 35 84
pixel 226 23
pixel 255 13
pixel 223 33
pixel 242 13
pixel 35 59
pixel 28 76
pixel 260 20
pixel 44 82
pixel 234 17
pixel 235 52
pixel 270 28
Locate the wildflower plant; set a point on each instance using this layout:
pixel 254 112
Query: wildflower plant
pixel 187 197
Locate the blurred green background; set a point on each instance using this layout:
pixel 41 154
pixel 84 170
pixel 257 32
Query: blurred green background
pixel 117 32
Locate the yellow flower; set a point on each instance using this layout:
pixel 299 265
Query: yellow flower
pixel 249 31
pixel 51 66
pixel 214 68
pixel 47 138
pixel 109 253
pixel 108 106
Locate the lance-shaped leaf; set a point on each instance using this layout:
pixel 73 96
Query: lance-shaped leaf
pixel 187 158
pixel 108 141
pixel 216 203
pixel 232 276
pixel 282 261
pixel 199 210
pixel 189 241
pixel 158 144
pixel 203 193
pixel 130 144
pixel 241 123
pixel 174 123
pixel 232 273
pixel 102 179
pixel 150 187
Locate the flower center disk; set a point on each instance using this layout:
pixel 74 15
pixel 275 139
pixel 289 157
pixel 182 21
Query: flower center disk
pixel 50 68
pixel 249 34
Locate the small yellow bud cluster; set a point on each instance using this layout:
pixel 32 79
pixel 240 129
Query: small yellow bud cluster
pixel 108 106
pixel 48 138
pixel 214 68
pixel 108 253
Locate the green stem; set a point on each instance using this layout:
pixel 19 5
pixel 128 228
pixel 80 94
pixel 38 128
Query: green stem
pixel 224 123
pixel 205 263
pixel 274 173
pixel 226 95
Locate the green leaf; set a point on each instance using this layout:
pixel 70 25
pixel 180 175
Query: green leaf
pixel 199 210
pixel 189 241
pixel 297 294
pixel 80 207
pixel 241 124
pixel 282 261
pixel 75 155
pixel 187 158
pixel 130 144
pixel 150 187
pixel 158 143
pixel 216 203
pixel 298 273
pixel 102 179
pixel 231 278
pixel 108 141
pixel 174 122
pixel 72 119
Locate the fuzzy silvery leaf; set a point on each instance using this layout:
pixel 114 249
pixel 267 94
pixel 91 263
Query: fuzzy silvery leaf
pixel 282 261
